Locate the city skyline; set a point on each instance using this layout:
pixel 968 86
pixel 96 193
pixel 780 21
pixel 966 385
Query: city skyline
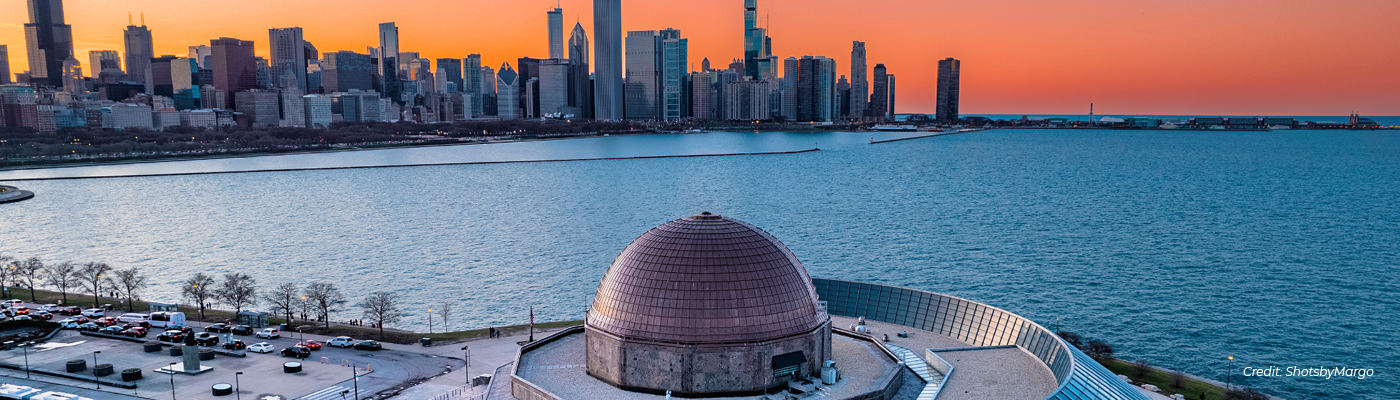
pixel 1212 64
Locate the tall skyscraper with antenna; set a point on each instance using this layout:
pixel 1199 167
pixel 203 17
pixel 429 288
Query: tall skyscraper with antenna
pixel 139 52
pixel 50 41
pixel 607 59
pixel 756 56
pixel 556 33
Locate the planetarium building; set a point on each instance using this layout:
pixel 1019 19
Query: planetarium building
pixel 713 307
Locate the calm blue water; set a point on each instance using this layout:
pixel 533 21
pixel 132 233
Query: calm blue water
pixel 1178 247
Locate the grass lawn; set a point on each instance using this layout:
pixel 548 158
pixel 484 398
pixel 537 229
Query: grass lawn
pixel 1162 379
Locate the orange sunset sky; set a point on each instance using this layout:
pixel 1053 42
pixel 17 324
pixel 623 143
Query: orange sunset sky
pixel 1196 57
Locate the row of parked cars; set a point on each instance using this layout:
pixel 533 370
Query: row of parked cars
pixel 18 310
pixel 304 348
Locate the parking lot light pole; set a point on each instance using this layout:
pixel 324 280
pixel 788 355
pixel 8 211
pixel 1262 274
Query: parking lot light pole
pixel 237 389
pixel 355 374
pixel 466 369
pixel 96 378
pixel 26 359
pixel 171 369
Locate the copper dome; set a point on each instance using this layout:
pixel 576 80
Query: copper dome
pixel 706 279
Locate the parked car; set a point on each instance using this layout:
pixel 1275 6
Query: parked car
pixel 368 345
pixel 105 321
pixel 343 342
pixel 94 313
pixel 49 307
pixel 89 327
pixel 135 331
pixel 23 318
pixel 167 319
pixel 172 336
pixel 11 303
pixel 135 318
pixel 206 339
pixel 80 319
pixel 241 330
pixel 218 328
pixel 263 347
pixel 111 330
pixel 235 344
pixel 21 310
pixel 68 310
pixel 269 333
pixel 69 323
pixel 45 315
pixel 296 351
pixel 310 344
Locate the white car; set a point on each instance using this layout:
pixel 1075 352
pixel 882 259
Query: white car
pixel 11 303
pixel 342 342
pixel 49 307
pixel 263 347
pixel 68 323
pixel 269 333
pixel 94 313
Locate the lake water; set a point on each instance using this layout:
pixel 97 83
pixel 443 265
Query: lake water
pixel 1279 248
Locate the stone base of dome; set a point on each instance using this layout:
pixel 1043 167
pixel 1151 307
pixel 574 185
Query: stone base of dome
pixel 702 370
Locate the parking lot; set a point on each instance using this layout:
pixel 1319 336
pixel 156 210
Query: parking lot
pixel 325 375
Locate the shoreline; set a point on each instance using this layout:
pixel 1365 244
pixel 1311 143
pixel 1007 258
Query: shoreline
pixel 412 165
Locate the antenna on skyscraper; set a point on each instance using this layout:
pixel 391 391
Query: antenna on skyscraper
pixel 143 18
pixel 129 21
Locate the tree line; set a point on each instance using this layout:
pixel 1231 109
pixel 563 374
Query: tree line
pixel 237 290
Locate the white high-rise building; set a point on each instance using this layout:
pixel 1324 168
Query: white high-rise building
pixel 316 111
pixel 508 93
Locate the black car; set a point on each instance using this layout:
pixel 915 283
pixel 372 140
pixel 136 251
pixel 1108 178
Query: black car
pixel 135 331
pixel 42 315
pixel 172 336
pixel 242 330
pixel 218 328
pixel 89 327
pixel 296 351
pixel 206 339
pixel 111 330
pixel 368 345
pixel 236 344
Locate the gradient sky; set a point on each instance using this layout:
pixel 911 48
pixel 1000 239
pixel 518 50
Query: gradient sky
pixel 1195 57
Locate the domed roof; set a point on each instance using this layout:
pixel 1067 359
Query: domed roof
pixel 706 279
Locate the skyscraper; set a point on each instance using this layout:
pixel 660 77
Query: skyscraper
pixel 756 59
pixel 643 70
pixel 139 51
pixel 346 70
pixel 880 97
pixel 235 68
pixel 860 85
pixel 389 61
pixel 791 70
pixel 73 77
pixel 99 60
pixel 201 55
pixel 891 98
pixel 675 62
pixel 949 75
pixel 580 86
pixel 508 93
pixel 702 95
pixel 471 79
pixel 50 42
pixel 555 75
pixel 288 54
pixel 556 33
pixel 5 64
pixel 452 68
pixel 607 59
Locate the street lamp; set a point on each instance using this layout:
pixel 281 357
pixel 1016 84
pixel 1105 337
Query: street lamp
pixel 95 378
pixel 1229 371
pixel 26 359
pixel 466 369
pixel 171 369
pixel 355 376
pixel 237 389
pixel 430 321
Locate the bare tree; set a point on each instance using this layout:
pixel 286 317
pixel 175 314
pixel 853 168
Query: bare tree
pixel 7 266
pixel 383 308
pixel 128 283
pixel 285 298
pixel 238 290
pixel 30 273
pixel 62 276
pixel 91 275
pixel 324 299
pixel 199 289
pixel 444 311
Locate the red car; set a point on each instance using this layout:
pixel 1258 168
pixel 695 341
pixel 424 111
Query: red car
pixel 311 344
pixel 106 321
pixel 80 319
pixel 20 310
pixel 135 331
pixel 69 310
